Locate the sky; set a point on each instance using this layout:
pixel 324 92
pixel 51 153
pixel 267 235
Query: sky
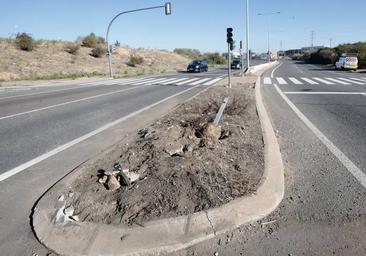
pixel 199 24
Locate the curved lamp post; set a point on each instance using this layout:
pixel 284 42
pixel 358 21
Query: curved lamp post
pixel 168 11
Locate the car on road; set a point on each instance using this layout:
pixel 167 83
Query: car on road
pixel 346 62
pixel 198 66
pixel 236 64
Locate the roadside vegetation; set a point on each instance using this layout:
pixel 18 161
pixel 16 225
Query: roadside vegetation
pixel 25 58
pixel 329 56
pixel 213 59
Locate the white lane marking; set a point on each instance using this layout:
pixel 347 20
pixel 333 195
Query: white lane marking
pixel 69 102
pixel 337 81
pixel 267 80
pixel 309 81
pixel 350 166
pixel 147 81
pixel 59 149
pixel 322 80
pixel 357 79
pixel 350 81
pixel 280 80
pixel 188 81
pixel 166 81
pixel 325 93
pixel 175 81
pixel 213 81
pixel 200 81
pixel 275 69
pixel 294 80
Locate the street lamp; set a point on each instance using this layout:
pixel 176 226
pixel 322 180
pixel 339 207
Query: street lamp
pixel 268 14
pixel 247 36
pixel 168 11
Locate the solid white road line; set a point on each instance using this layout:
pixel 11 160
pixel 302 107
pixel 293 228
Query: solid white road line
pixel 267 80
pixel 325 93
pixel 350 81
pixel 322 80
pixel 309 81
pixel 57 150
pixel 188 81
pixel 350 166
pixel 280 80
pixel 294 80
pixel 213 81
pixel 200 81
pixel 69 102
pixel 274 70
pixel 337 81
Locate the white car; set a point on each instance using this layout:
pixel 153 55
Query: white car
pixel 347 63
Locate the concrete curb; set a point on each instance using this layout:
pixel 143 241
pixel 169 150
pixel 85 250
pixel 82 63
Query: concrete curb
pixel 258 69
pixel 167 235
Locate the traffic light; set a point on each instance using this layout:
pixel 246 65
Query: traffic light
pixel 230 35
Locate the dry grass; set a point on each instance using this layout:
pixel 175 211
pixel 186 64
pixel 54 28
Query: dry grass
pixel 50 60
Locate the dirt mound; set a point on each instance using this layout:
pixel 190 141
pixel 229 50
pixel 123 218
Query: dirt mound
pixel 180 167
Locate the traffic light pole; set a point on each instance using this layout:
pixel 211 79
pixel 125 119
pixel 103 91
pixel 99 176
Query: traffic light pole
pixel 241 58
pixel 168 9
pixel 229 65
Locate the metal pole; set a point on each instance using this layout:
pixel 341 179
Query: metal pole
pixel 269 54
pixel 109 27
pixel 241 58
pixel 229 66
pixel 247 36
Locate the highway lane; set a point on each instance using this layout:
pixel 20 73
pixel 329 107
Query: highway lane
pixel 324 208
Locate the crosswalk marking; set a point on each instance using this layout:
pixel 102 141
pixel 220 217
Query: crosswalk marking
pixel 351 81
pixel 267 80
pixel 357 79
pixel 152 81
pixel 200 81
pixel 280 80
pixel 165 81
pixel 175 81
pixel 322 80
pixel 213 81
pixel 294 80
pixel 309 80
pixel 337 81
pixel 142 81
pixel 188 81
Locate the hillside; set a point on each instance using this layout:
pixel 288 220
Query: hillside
pixel 49 60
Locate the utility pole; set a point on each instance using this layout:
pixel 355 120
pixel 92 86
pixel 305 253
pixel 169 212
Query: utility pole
pixel 330 42
pixel 312 37
pixel 247 36
pixel 267 14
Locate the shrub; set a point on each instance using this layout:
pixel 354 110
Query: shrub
pixel 135 60
pixel 98 51
pixel 92 41
pixel 214 58
pixel 72 48
pixel 189 53
pixel 24 42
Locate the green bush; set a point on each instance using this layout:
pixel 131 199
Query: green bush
pixel 72 48
pixel 135 60
pixel 214 58
pixel 324 56
pixel 189 53
pixel 98 51
pixel 92 41
pixel 24 42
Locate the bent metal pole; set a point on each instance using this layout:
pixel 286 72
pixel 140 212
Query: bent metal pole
pixel 167 7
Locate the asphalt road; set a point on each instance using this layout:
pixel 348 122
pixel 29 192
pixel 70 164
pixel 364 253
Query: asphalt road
pixel 46 131
pixel 320 119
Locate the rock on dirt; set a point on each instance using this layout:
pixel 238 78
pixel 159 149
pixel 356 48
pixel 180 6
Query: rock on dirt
pixel 112 183
pixel 212 132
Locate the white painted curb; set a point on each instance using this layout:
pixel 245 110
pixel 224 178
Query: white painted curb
pixel 167 235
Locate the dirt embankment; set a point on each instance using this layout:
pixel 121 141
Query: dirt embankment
pixel 49 60
pixel 179 165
